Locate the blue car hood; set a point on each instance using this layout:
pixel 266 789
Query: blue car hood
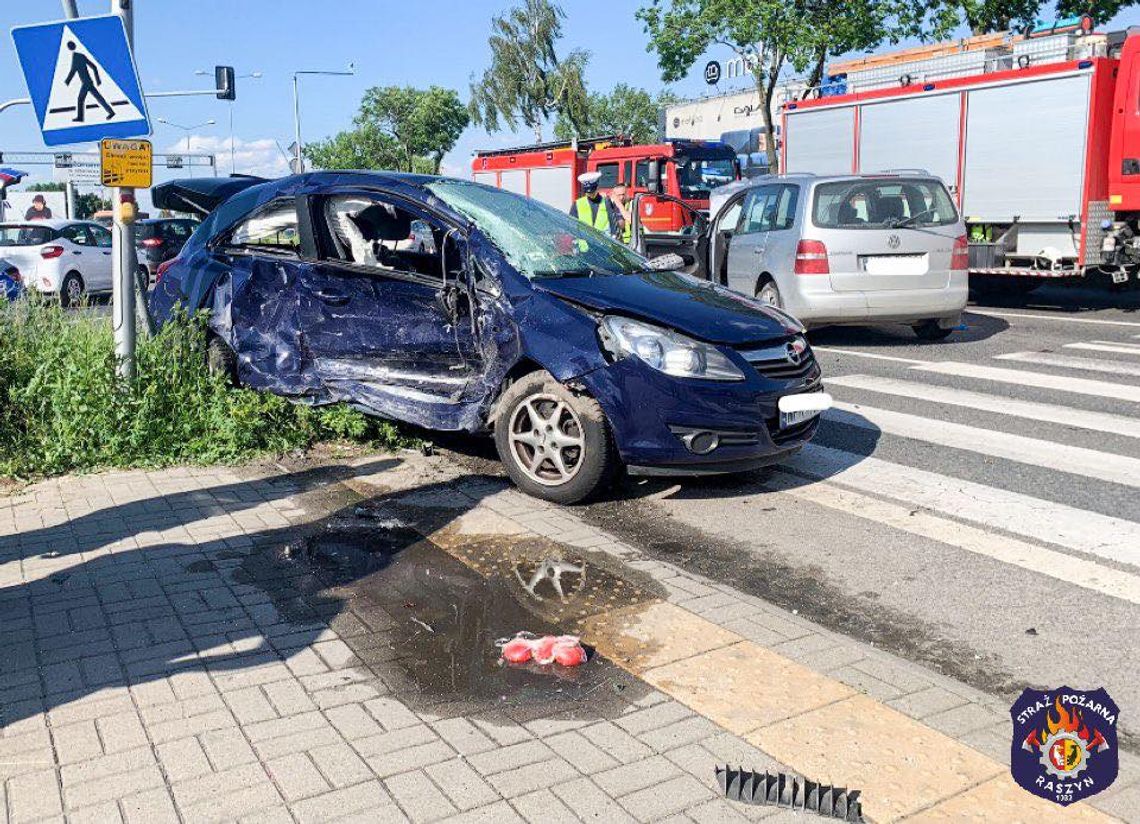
pixel 692 306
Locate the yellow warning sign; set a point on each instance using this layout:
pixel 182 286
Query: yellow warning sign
pixel 126 163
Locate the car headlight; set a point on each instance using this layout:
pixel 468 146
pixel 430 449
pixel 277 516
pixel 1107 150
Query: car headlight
pixel 665 350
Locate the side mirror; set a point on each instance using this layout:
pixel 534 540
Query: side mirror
pixel 654 176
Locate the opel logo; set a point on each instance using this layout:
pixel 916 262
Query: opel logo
pixel 893 241
pixel 793 354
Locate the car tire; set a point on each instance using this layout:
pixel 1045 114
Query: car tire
pixel 930 330
pixel 769 292
pixel 555 443
pixel 71 290
pixel 221 360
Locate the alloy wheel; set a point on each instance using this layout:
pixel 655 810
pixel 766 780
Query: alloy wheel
pixel 546 439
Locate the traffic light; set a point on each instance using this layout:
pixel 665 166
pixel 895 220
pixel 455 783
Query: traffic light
pixel 224 82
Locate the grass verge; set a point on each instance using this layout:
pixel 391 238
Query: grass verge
pixel 62 408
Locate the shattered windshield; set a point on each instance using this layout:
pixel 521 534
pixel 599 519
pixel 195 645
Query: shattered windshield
pixel 539 241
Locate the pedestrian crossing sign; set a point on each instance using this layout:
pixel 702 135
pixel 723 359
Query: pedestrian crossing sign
pixel 82 79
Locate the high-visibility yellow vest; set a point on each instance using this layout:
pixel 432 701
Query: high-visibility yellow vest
pixel 600 221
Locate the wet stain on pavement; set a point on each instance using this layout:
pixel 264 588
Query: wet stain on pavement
pixel 427 623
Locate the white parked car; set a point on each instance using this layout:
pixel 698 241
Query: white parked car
pixel 420 239
pixel 68 258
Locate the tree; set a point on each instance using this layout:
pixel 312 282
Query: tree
pixel 398 128
pixel 625 110
pixel 356 148
pixel 768 36
pixel 422 123
pixel 527 81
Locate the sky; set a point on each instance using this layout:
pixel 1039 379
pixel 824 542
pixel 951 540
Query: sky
pixel 440 42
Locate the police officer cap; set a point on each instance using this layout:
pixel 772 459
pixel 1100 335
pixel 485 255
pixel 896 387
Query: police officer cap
pixel 590 179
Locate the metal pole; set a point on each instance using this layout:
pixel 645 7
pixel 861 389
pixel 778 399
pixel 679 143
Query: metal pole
pixel 71 200
pixel 123 246
pixel 297 124
pixel 69 9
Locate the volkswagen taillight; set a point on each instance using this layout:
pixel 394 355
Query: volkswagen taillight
pixel 49 252
pixel 960 257
pixel 811 258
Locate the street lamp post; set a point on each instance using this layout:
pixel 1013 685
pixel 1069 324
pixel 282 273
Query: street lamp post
pixel 299 160
pixel 187 129
pixel 254 76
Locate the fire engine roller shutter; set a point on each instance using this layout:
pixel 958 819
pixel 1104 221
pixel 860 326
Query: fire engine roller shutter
pixel 915 133
pixel 1025 149
pixel 553 185
pixel 487 178
pixel 820 141
pixel 514 180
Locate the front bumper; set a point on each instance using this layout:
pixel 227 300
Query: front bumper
pixel 649 413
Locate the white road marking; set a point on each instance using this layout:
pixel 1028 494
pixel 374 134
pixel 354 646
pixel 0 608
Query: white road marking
pixel 1030 410
pixel 1098 321
pixel 1025 516
pixel 1118 348
pixel 1086 574
pixel 1112 367
pixel 1039 380
pixel 872 355
pixel 1104 466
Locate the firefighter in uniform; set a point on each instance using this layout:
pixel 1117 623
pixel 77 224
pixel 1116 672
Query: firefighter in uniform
pixel 596 210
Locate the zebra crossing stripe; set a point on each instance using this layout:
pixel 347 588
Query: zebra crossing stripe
pixel 1090 463
pixel 1097 346
pixel 1039 380
pixel 1029 410
pixel 1024 516
pixel 1111 367
pixel 1063 318
pixel 1077 571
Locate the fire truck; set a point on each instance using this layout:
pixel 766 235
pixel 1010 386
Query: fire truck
pixel 682 171
pixel 1037 138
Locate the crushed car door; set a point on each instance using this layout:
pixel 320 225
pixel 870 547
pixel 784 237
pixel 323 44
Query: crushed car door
pixel 388 327
pixel 252 299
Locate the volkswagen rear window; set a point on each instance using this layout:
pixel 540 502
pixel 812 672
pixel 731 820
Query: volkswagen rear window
pixel 882 204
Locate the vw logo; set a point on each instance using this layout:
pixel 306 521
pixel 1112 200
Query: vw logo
pixel 793 353
pixel 893 241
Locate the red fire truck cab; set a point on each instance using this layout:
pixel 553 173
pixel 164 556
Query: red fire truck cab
pixel 686 170
pixel 1038 140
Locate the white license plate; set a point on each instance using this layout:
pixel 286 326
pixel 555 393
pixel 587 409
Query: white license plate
pixel 795 409
pixel 895 265
pixel 1120 276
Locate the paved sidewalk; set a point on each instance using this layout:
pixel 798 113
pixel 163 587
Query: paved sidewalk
pixel 213 645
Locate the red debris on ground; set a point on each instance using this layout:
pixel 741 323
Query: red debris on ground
pixel 565 650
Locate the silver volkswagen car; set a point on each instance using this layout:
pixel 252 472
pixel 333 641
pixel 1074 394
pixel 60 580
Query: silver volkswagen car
pixel 856 249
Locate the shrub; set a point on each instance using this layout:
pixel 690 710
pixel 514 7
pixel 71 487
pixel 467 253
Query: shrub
pixel 63 409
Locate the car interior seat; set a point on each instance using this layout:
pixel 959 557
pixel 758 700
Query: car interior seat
pixel 891 209
pixel 847 215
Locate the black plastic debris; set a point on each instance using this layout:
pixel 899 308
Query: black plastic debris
pixel 790 792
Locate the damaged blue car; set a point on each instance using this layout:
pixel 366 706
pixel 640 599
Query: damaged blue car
pixel 455 306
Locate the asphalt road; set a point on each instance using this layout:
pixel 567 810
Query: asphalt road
pixel 973 505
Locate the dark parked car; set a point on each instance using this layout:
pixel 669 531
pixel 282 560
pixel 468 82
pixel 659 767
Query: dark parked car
pixel 161 239
pixel 570 348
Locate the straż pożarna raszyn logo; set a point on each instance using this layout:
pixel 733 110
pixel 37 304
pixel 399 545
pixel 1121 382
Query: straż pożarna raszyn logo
pixel 1064 743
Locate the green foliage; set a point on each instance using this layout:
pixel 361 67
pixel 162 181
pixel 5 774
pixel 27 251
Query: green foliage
pixel 527 81
pixel 625 110
pixel 398 127
pixel 62 408
pixel 421 122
